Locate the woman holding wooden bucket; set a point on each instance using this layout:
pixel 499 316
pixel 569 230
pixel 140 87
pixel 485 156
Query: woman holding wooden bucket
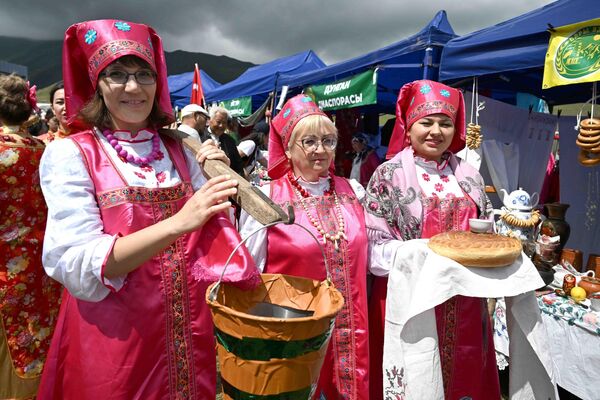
pixel 302 143
pixel 130 216
pixel 424 189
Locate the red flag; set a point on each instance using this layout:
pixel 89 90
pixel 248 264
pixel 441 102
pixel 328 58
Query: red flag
pixel 197 93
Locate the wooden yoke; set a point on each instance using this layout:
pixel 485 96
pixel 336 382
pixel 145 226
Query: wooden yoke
pixel 250 198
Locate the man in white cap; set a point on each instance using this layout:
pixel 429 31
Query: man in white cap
pixel 193 120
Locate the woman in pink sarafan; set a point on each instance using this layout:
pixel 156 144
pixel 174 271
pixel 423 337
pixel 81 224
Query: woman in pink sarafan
pixel 422 190
pixel 135 232
pixel 302 142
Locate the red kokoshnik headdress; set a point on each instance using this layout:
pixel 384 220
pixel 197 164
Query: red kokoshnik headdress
pixel 419 99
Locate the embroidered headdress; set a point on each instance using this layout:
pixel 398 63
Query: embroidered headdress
pixel 421 98
pixel 91 46
pixel 282 127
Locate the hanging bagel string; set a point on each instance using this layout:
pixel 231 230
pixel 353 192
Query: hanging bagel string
pixel 530 222
pixel 474 136
pixel 588 139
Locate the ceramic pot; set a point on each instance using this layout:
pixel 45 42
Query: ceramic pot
pixel 547 275
pixel 591 285
pixel 555 224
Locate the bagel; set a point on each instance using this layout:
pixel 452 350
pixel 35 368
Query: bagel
pixel 594 150
pixel 586 146
pixel 590 123
pixel 588 139
pixel 587 161
pixel 589 132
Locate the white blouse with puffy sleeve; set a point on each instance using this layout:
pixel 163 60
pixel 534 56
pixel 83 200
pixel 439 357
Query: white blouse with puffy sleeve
pixel 75 244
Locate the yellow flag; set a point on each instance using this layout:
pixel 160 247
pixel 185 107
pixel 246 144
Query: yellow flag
pixel 573 54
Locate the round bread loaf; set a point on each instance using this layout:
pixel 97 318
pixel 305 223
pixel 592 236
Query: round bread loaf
pixel 485 250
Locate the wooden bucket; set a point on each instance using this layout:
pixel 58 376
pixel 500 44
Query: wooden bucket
pixel 272 340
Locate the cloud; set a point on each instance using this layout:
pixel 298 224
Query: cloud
pixel 261 30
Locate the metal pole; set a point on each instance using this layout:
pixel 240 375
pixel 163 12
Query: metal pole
pixel 428 63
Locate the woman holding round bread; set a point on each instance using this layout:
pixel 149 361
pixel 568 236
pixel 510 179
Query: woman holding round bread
pixel 132 223
pixel 422 190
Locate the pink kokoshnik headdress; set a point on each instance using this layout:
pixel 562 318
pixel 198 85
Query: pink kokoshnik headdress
pixel 421 98
pixel 91 46
pixel 282 126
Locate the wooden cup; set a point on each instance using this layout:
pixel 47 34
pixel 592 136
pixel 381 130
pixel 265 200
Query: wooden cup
pixel 593 264
pixel 573 256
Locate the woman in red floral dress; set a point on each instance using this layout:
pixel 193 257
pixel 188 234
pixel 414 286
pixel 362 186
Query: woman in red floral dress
pixel 29 299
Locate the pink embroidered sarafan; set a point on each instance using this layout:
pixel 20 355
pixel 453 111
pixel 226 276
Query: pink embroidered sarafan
pixel 291 251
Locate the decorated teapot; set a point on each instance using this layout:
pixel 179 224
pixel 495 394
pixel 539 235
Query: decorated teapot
pixel 517 218
pixel 519 200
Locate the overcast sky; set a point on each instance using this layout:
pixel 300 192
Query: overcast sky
pixel 262 30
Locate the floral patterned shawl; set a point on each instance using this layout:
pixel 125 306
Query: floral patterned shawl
pixel 393 200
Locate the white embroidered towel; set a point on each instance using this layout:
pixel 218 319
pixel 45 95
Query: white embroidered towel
pixel 418 281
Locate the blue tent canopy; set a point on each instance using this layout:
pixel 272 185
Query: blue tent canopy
pixel 509 56
pixel 398 63
pixel 180 87
pixel 258 81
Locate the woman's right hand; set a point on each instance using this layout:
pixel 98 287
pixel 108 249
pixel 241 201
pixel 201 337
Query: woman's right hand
pixel 206 202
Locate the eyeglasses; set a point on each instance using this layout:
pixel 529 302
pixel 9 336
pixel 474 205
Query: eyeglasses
pixel 312 144
pixel 119 77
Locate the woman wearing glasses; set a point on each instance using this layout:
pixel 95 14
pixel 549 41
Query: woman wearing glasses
pixel 125 208
pixel 302 143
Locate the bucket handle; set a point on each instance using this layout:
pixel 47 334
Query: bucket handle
pixel 291 221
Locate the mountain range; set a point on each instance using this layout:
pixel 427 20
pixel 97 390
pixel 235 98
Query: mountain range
pixel 43 58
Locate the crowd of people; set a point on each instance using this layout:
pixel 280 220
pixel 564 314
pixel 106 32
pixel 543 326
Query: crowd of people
pixel 117 214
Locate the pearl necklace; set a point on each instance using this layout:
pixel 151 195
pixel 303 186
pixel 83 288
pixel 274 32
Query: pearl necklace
pixel 112 140
pixel 304 194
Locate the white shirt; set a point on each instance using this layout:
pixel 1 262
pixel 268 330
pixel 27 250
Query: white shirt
pixel 246 147
pixel 257 244
pixel 75 244
pixel 189 130
pixel 437 179
pixel 214 138
pixel 355 172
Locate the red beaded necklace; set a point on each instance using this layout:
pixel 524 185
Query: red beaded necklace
pixel 303 192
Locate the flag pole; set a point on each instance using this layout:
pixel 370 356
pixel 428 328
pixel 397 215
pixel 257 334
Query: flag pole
pixel 201 90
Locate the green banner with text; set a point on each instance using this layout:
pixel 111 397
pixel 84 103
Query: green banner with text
pixel 355 91
pixel 240 107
